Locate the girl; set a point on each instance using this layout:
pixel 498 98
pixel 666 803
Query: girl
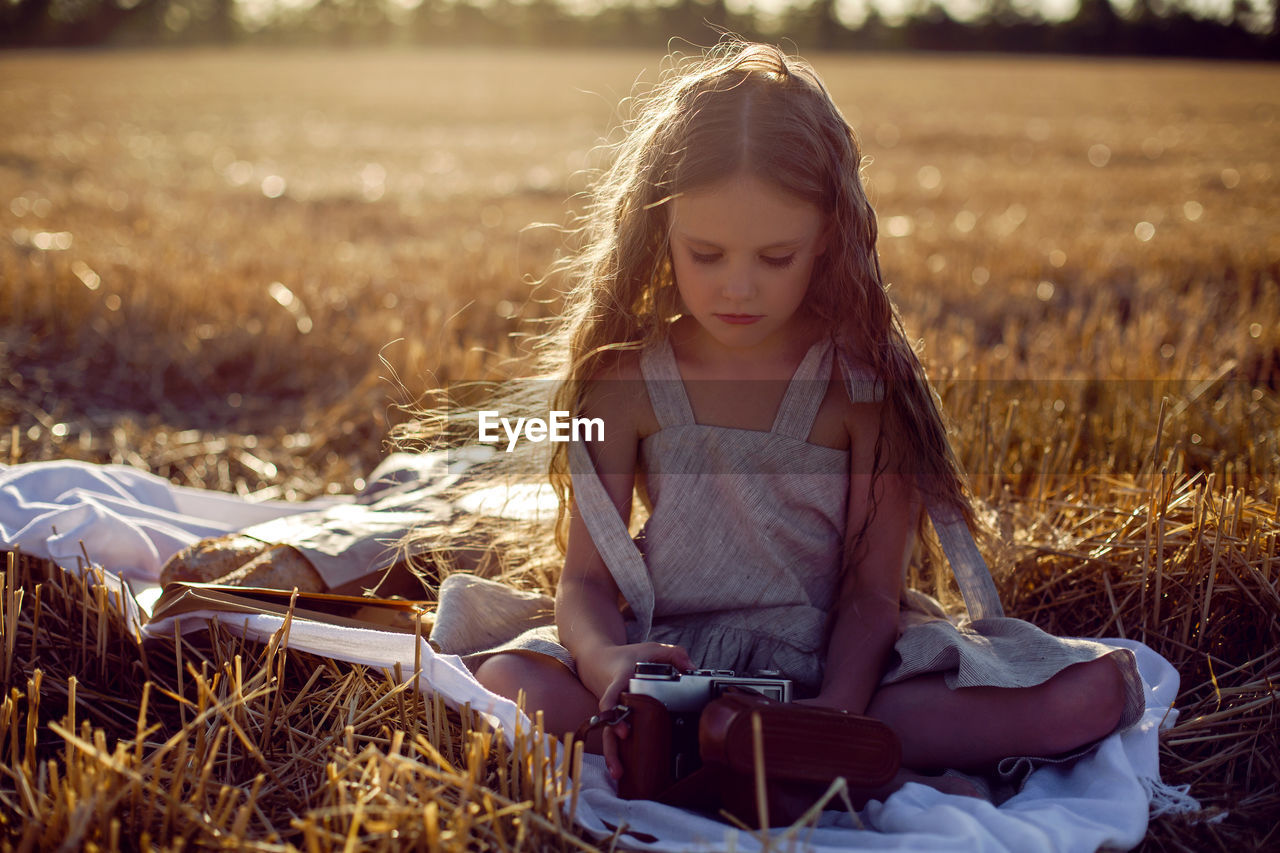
pixel 730 326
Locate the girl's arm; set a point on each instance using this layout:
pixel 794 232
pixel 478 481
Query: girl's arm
pixel 866 618
pixel 588 613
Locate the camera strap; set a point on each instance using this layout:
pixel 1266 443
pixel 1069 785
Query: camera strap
pixel 611 717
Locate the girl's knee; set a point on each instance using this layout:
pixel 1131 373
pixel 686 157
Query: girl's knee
pixel 506 673
pixel 1113 691
pixel 548 686
pixel 1087 703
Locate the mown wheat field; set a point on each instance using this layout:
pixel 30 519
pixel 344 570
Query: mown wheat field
pixel 233 269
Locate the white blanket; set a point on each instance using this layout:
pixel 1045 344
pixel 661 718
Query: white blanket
pixel 129 522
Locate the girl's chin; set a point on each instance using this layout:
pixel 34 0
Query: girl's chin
pixel 740 336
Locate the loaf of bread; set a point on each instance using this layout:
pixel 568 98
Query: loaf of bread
pixel 243 561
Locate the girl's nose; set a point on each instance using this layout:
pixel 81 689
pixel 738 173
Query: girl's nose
pixel 738 285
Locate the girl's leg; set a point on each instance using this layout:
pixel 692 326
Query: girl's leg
pixel 973 727
pixel 548 687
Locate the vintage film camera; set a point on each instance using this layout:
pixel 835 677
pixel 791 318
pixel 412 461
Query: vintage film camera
pixel 665 708
pixel 691 691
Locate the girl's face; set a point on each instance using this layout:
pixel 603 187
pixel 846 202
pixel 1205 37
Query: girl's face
pixel 743 252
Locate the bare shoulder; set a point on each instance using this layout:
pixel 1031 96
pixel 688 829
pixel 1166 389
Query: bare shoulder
pixel 846 422
pixel 619 365
pixel 861 410
pixel 616 392
pixel 863 422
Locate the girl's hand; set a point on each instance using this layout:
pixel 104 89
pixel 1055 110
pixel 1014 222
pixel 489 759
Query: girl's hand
pixel 621 663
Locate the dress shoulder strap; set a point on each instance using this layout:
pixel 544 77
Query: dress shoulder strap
pixel 610 535
pixel 805 392
pixel 863 385
pixel 972 575
pixel 666 389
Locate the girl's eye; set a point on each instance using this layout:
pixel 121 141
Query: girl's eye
pixel 779 263
pixel 700 258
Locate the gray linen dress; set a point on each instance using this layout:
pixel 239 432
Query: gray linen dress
pixel 739 561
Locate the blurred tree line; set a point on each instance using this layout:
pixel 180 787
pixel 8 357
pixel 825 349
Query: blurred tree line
pixel 1146 27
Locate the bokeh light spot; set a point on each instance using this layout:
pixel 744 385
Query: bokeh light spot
pixel 280 293
pixel 373 181
pixel 929 177
pixel 87 276
pixel 273 186
pixel 899 226
pixel 539 179
pixel 240 172
pixel 51 241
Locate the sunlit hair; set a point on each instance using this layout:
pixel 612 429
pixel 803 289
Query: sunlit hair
pixel 740 108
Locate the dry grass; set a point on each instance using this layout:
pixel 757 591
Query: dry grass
pixel 213 742
pixel 1115 396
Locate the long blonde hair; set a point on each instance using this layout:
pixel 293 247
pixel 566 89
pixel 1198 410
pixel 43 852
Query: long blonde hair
pixel 740 107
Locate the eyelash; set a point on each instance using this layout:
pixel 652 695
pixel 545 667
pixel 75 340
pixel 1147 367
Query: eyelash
pixel 776 263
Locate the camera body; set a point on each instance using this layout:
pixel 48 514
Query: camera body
pixel 666 706
pixel 685 692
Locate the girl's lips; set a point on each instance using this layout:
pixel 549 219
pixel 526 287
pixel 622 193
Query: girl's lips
pixel 739 319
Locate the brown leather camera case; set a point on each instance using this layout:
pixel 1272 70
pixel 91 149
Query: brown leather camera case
pixel 647 768
pixel 801 743
pixel 804 749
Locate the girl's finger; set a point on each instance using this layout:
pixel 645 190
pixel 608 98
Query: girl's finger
pixel 611 695
pixel 611 761
pixel 674 655
pixel 678 657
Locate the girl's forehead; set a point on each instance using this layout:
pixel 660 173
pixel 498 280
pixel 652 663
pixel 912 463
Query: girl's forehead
pixel 746 208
